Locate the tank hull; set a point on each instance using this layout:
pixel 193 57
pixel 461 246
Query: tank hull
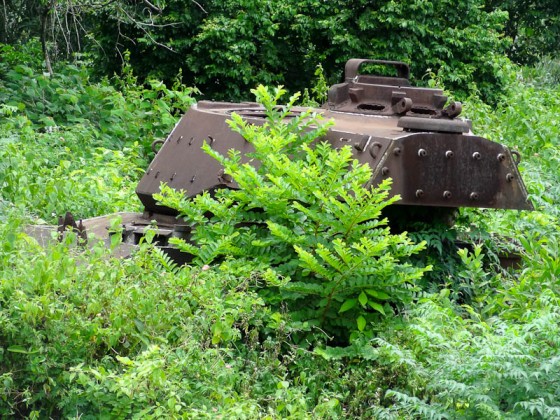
pixel 427 167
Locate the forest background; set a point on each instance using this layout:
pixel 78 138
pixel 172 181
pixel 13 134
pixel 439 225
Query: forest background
pixel 422 329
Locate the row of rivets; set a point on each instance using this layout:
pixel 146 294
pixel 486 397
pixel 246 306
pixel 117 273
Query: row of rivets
pixel 447 195
pixel 212 140
pixel 449 154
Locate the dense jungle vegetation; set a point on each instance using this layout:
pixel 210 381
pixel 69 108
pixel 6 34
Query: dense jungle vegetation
pixel 315 309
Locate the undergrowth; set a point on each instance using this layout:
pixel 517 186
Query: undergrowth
pixel 240 333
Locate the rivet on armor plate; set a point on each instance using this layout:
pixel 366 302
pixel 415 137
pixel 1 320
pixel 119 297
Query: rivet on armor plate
pixel 422 152
pixel 474 196
pixel 179 139
pixel 501 157
pixel 509 177
pixel 447 194
pixel 373 149
pixel 191 141
pixel 384 171
pixel 224 178
pixel 156 175
pixel 193 178
pixel 476 156
pixel 397 151
pixel 449 154
pixel 419 193
pixel 362 144
pixel 173 176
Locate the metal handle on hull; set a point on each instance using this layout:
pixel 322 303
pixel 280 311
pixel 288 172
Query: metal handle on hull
pixel 353 66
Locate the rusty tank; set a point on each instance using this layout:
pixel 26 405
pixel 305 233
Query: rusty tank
pixel 410 134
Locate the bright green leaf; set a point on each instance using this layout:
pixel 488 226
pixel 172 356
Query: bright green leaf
pixel 349 304
pixel 361 321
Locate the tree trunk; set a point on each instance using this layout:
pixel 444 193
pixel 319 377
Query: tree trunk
pixel 44 28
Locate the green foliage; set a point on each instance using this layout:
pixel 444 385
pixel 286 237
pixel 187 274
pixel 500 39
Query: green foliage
pixel 545 73
pixel 475 369
pixel 231 46
pixel 51 175
pixel 460 42
pixel 304 222
pixel 72 145
pixel 106 111
pixel 83 334
pixel 534 28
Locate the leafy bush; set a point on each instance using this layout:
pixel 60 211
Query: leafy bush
pixel 72 145
pixel 478 370
pixel 48 177
pixel 108 112
pixel 68 317
pixel 303 224
pixel 83 334
pixel 231 46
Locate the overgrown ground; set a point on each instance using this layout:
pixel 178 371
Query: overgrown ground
pixel 86 335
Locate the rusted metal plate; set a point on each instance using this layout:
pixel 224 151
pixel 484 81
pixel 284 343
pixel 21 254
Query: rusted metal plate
pixel 388 123
pixel 183 165
pixel 448 175
pixel 402 132
pixel 452 170
pixel 97 229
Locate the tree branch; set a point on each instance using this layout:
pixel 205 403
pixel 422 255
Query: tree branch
pixel 152 6
pixel 200 6
pixel 44 21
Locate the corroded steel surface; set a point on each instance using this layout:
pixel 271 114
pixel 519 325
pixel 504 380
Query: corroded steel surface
pixel 401 132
